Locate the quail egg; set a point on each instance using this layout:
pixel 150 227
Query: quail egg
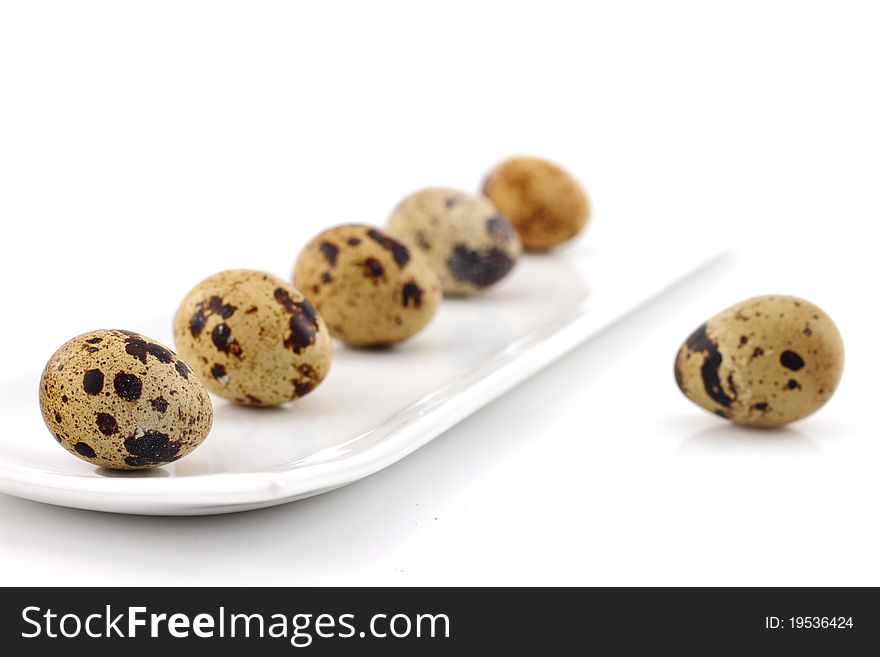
pixel 765 362
pixel 467 242
pixel 120 400
pixel 543 202
pixel 372 289
pixel 253 338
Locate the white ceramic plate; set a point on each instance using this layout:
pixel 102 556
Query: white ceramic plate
pixel 373 409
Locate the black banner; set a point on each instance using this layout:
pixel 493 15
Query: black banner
pixel 437 621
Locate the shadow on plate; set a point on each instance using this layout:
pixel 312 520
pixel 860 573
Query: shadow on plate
pixel 134 474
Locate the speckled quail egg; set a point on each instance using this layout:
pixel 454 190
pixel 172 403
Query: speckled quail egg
pixel 469 244
pixel 544 203
pixel 765 362
pixel 123 401
pixel 372 289
pixel 253 338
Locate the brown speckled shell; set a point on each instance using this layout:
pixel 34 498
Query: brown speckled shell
pixel 469 244
pixel 543 202
pixel 764 362
pixel 253 338
pixel 372 289
pixel 120 400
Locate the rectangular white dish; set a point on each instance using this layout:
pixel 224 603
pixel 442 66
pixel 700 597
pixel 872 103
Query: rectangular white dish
pixel 374 408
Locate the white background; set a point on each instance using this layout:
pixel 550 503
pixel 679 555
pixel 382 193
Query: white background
pixel 144 145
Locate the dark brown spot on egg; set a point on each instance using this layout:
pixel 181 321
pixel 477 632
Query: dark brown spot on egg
pixel 303 328
pixel 700 342
pixel 330 252
pixel 106 424
pixel 217 307
pixel 743 340
pixel 222 338
pixel 197 323
pixel 479 268
pixel 182 369
pixel 450 201
pixel 218 371
pixel 159 404
pixel 326 278
pixel 140 348
pixel 212 306
pixel 757 352
pixel 64 399
pixel 399 252
pixel 127 386
pixel 791 360
pixel 373 268
pixel 412 293
pixel 58 417
pixel 84 449
pixel 793 385
pixel 307 383
pixel 761 406
pixel 150 448
pixel 254 400
pixel 353 241
pixel 303 321
pixel 282 296
pixel 94 340
pixel 303 387
pixel 93 381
